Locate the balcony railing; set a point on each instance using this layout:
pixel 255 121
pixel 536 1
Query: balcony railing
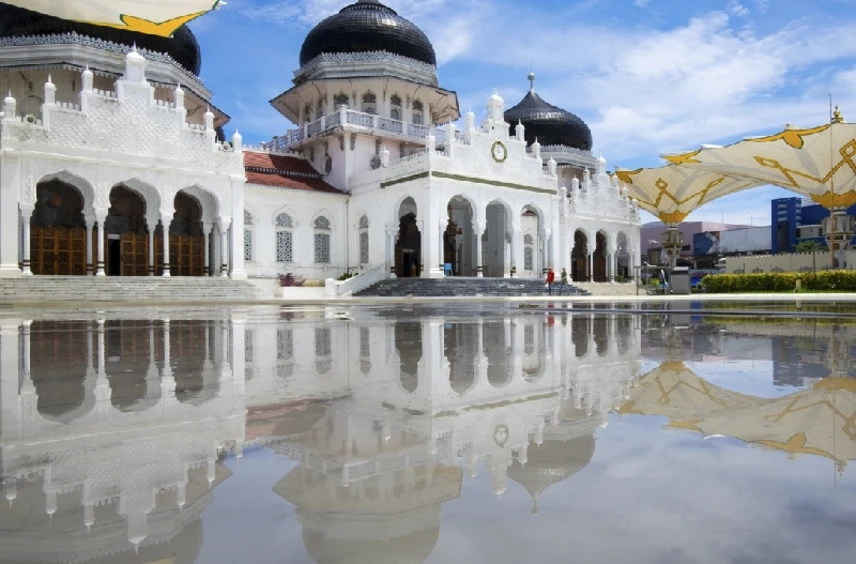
pixel 370 122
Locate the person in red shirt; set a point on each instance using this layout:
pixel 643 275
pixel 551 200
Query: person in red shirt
pixel 551 277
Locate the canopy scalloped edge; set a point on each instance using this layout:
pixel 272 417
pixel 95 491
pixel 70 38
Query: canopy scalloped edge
pixel 140 25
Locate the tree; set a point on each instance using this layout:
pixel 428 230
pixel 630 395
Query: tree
pixel 807 247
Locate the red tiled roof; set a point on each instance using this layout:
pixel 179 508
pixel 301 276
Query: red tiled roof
pixel 284 172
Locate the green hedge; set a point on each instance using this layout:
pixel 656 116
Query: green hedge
pixel 824 281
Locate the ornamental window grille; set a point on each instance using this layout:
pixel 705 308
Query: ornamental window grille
pixel 364 247
pixel 418 113
pixel 528 258
pixel 248 244
pixel 284 246
pixel 340 100
pixel 395 107
pixel 364 222
pixel 365 346
pixel 369 103
pixel 248 346
pixel 528 240
pixel 322 223
pixel 284 220
pixel 248 218
pixel 323 346
pixel 322 240
pixel 284 344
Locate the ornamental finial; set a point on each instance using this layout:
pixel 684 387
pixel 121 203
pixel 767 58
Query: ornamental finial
pixel 836 116
pixel 531 78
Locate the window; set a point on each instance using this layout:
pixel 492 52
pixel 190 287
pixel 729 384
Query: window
pixel 284 344
pixel 248 347
pixel 365 343
pixel 528 259
pixel 395 107
pixel 320 110
pixel 248 236
pixel 369 103
pixel 323 348
pixel 340 100
pixel 284 246
pixel 418 112
pixel 307 113
pixel 364 240
pixel 322 240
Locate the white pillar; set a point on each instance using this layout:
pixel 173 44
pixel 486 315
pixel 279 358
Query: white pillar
pixel 206 240
pixel 26 213
pixel 390 251
pixel 237 271
pixel 590 266
pixel 100 217
pixel 152 223
pixel 10 188
pixel 90 223
pixel 479 229
pixel 166 220
pixel 223 225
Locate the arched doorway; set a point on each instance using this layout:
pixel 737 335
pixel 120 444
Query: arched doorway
pixel 533 260
pixel 496 256
pixel 61 355
pixel 460 341
pixel 130 366
pixel 623 261
pixel 459 238
pixel 58 231
pixel 579 258
pixel 498 348
pixel 408 245
pixel 126 244
pixel 186 239
pixel 600 257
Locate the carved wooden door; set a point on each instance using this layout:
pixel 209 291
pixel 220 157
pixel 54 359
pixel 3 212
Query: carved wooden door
pixel 58 251
pixel 186 255
pixel 135 254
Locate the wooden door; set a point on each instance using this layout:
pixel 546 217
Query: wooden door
pixel 599 268
pixel 135 254
pixel 58 251
pixel 186 255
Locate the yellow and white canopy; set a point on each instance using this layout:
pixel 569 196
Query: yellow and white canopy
pixel 672 192
pixel 155 17
pixel 818 162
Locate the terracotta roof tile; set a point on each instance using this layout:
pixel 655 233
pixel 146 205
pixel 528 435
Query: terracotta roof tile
pixel 284 172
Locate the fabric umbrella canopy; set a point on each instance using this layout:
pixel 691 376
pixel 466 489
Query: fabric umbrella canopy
pixel 155 17
pixel 672 192
pixel 820 421
pixel 818 162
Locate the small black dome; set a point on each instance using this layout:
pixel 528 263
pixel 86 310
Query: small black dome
pixel 367 26
pixel 182 46
pixel 548 124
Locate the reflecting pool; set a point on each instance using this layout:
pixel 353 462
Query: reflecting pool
pixel 429 433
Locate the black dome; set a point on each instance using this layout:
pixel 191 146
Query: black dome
pixel 367 26
pixel 548 124
pixel 182 46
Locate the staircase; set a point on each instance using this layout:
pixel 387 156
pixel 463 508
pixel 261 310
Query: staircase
pixel 460 286
pixel 142 289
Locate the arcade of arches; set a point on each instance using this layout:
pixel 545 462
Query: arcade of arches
pixel 600 262
pixel 58 238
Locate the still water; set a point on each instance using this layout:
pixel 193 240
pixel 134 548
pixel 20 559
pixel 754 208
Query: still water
pixel 410 435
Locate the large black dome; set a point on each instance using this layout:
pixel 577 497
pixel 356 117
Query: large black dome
pixel 548 124
pixel 182 46
pixel 367 26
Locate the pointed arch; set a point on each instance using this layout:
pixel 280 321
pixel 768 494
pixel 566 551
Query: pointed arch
pixel 64 175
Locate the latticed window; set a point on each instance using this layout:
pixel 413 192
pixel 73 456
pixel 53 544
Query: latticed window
pixel 248 218
pixel 340 100
pixel 364 222
pixel 418 112
pixel 284 246
pixel 528 258
pixel 369 103
pixel 284 220
pixel 528 240
pixel 248 347
pixel 284 344
pixel 322 240
pixel 395 107
pixel 248 244
pixel 364 248
pixel 323 346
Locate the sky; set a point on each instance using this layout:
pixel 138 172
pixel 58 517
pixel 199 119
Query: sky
pixel 648 76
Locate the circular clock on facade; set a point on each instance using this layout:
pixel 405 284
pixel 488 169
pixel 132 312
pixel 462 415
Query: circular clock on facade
pixel 498 151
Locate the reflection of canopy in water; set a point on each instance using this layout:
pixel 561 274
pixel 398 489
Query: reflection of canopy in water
pixel 820 420
pixel 155 17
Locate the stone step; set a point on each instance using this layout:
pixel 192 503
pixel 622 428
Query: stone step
pixel 459 286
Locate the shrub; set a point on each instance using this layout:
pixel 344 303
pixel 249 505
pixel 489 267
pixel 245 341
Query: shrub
pixel 345 276
pixel 290 281
pixel 824 281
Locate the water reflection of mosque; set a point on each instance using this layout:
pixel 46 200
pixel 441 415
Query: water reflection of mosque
pixel 108 448
pixel 112 435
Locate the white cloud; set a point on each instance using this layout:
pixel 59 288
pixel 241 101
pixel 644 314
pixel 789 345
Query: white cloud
pixel 641 3
pixel 736 8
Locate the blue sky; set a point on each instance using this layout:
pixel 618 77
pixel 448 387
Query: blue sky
pixel 648 76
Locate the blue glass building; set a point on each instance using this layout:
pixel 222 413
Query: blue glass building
pixel 788 215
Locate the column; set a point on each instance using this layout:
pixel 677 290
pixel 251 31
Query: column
pixel 516 248
pixel 479 229
pixel 26 213
pixel 613 264
pixel 166 221
pixel 100 218
pixel 10 231
pixel 207 227
pixel 223 225
pixel 90 224
pixel 590 266
pixel 238 272
pixel 152 223
pixel 390 251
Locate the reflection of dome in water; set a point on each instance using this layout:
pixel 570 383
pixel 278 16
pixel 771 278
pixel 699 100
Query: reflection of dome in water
pixel 552 462
pixel 414 548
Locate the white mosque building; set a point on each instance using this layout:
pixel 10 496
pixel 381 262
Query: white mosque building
pixel 113 151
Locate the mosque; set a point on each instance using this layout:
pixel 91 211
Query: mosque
pixel 114 152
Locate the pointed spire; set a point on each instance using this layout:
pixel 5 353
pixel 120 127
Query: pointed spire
pixel 531 78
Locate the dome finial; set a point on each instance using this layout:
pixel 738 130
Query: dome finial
pixel 531 78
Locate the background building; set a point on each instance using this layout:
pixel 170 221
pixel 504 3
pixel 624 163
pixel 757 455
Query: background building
pixel 794 220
